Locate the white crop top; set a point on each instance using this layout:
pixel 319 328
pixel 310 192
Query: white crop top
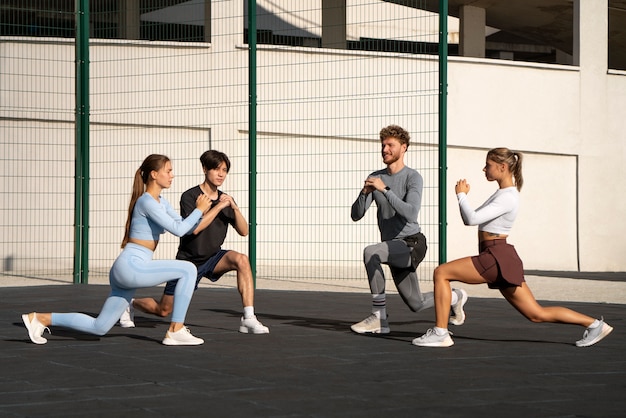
pixel 496 215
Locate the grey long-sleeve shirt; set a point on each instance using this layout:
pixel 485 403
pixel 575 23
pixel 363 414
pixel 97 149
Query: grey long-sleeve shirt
pixel 398 207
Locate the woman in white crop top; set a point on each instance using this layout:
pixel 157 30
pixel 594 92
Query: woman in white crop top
pixel 498 264
pixel 149 215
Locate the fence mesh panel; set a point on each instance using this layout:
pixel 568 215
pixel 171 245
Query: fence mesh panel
pixel 172 77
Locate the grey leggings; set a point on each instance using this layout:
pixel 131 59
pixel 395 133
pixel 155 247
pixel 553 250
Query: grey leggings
pixel 397 255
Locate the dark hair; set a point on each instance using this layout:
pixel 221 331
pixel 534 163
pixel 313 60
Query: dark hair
pixel 212 159
pixel 153 162
pixel 397 132
pixel 512 159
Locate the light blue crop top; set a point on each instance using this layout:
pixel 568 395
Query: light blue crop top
pixel 151 218
pixel 496 215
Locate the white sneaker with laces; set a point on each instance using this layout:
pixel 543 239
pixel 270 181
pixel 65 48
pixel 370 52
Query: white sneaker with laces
pixel 593 335
pixel 181 337
pixel 35 329
pixel 252 326
pixel 432 339
pixel 371 325
pixel 457 308
pixel 127 320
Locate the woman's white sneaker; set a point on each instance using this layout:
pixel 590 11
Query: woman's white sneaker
pixel 458 317
pixel 594 335
pixel 432 339
pixel 127 320
pixel 35 329
pixel 181 337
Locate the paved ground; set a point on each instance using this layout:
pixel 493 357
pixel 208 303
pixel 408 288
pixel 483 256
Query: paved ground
pixel 310 365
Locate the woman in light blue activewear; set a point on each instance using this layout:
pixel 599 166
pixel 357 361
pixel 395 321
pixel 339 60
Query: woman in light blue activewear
pixel 149 216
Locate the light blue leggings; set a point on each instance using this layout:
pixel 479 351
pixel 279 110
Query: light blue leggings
pixel 134 269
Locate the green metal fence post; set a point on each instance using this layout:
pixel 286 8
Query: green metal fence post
pixel 443 128
pixel 252 133
pixel 81 201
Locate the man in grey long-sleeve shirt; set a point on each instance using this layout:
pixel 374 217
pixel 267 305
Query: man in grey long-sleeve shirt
pixel 397 191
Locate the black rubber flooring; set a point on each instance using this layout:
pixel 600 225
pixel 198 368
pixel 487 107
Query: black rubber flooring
pixel 310 365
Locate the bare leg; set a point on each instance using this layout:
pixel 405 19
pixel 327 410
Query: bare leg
pixel 44 318
pixel 522 299
pixel 233 260
pixel 461 270
pixel 162 308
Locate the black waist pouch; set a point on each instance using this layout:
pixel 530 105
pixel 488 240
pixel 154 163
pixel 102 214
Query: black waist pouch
pixel 418 246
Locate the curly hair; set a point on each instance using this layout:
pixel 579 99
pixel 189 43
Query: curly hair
pixel 397 132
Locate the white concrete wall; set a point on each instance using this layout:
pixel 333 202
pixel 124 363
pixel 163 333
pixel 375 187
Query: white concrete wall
pixel 572 202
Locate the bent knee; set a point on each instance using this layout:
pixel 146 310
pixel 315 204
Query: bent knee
pixel 441 273
pixel 369 252
pixel 241 260
pixel 163 312
pixel 101 330
pixel 536 316
pixel 537 319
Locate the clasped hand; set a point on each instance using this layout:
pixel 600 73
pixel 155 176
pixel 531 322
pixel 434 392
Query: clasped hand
pixel 373 183
pixel 203 203
pixel 462 186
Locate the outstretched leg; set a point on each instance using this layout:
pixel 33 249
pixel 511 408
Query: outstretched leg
pixel 522 299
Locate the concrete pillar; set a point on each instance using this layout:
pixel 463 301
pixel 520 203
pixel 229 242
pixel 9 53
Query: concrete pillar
pixel 334 24
pixel 207 20
pixel 591 28
pixel 601 160
pixel 129 19
pixel 472 31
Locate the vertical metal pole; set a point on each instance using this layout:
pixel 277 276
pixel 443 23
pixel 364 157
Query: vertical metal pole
pixel 443 129
pixel 252 133
pixel 81 227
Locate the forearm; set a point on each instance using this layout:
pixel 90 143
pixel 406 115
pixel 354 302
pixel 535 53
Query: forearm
pixel 241 224
pixel 206 220
pixel 360 206
pixel 409 209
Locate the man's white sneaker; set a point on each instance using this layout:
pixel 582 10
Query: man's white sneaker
pixel 457 309
pixel 181 337
pixel 432 339
pixel 371 325
pixel 252 326
pixel 127 320
pixel 35 329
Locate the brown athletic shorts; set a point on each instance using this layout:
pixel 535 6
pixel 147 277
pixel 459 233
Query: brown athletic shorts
pixel 499 264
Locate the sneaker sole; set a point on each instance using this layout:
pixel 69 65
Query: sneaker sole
pixel 605 331
pixel 445 343
pixel 126 325
pixel 246 330
pixel 455 321
pixel 383 330
pixel 169 341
